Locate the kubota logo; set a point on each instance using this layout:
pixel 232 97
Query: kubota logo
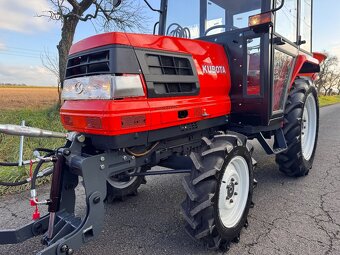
pixel 213 69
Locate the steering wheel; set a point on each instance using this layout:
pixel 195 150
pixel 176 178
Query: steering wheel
pixel 177 30
pixel 215 27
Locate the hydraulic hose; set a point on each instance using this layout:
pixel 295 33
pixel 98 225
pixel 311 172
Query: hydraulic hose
pixel 44 150
pixel 13 184
pixel 45 173
pixel 9 164
pixel 35 174
pixel 36 170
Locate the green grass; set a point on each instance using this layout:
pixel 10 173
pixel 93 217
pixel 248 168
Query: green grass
pixel 328 100
pixel 9 145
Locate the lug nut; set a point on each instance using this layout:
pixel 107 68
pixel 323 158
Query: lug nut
pixel 70 251
pixel 64 248
pixel 102 159
pixel 102 167
pixel 232 179
pixel 231 201
pixel 236 183
pixel 235 193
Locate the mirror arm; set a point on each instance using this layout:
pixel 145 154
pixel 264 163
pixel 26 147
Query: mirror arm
pixel 149 5
pixel 279 7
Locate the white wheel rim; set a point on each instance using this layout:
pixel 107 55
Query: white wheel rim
pixel 233 193
pixel 114 182
pixel 308 130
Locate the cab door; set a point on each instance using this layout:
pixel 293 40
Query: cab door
pixel 285 49
pixel 292 35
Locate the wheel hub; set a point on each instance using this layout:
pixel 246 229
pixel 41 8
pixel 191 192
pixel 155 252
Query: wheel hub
pixel 233 194
pixel 308 127
pixel 123 180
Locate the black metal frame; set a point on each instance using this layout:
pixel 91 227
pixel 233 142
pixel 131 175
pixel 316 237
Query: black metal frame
pixel 254 110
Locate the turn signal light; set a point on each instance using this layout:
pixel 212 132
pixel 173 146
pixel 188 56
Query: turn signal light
pixel 261 19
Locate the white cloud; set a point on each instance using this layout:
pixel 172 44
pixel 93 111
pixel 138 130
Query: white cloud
pixel 20 16
pixel 33 75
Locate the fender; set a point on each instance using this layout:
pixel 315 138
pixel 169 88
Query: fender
pixel 307 65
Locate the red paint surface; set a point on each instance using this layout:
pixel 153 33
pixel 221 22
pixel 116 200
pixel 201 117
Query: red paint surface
pixel 213 98
pixel 317 59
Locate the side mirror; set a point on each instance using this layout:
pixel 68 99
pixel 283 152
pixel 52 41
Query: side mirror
pixel 116 3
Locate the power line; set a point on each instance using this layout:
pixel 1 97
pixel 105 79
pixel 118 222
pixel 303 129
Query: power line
pixel 24 49
pixel 18 55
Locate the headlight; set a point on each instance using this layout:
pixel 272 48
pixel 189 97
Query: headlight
pixel 102 87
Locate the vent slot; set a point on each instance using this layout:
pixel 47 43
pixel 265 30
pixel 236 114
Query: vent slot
pixel 168 65
pixel 89 64
pixel 174 88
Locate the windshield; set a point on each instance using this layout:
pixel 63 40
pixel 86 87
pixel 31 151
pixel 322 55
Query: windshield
pixel 198 18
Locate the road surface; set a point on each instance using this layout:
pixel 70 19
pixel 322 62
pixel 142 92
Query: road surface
pixel 291 216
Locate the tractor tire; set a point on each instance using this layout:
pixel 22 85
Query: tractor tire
pixel 119 189
pixel 301 126
pixel 219 191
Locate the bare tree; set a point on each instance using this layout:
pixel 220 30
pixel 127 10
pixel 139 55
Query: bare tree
pixel 104 14
pixel 329 76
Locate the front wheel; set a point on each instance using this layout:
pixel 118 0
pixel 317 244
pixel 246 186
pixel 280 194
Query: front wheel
pixel 122 185
pixel 301 126
pixel 219 191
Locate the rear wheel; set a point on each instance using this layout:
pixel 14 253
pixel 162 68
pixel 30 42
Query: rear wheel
pixel 219 191
pixel 122 185
pixel 301 126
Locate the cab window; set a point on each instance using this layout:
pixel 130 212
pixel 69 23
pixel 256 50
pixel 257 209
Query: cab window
pixel 286 20
pixel 306 24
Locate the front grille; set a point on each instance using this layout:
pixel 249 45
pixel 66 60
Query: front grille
pixel 89 64
pixel 174 88
pixel 168 65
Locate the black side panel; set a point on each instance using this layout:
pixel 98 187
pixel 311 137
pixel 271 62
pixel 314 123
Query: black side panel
pixel 168 74
pixel 113 59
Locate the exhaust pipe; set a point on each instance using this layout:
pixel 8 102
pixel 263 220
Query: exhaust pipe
pixel 30 131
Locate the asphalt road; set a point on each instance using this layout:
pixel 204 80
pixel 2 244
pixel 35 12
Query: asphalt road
pixel 291 216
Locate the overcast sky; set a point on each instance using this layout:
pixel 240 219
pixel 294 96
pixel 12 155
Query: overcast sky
pixel 25 37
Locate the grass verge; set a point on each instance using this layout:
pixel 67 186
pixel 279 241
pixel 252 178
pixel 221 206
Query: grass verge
pixel 328 100
pixel 9 145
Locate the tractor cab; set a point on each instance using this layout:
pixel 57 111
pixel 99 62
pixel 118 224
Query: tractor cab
pixel 267 42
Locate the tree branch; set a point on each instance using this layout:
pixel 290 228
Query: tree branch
pixel 74 4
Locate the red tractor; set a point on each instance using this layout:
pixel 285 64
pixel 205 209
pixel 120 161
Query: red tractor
pixel 187 99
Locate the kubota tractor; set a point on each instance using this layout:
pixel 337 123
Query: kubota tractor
pixel 217 74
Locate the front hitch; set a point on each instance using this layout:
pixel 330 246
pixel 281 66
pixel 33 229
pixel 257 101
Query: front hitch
pixel 62 231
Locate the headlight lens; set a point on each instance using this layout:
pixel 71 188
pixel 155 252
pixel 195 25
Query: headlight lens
pixel 103 87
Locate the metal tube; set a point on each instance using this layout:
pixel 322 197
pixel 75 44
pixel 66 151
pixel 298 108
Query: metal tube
pixel 51 226
pixel 29 131
pixel 21 145
pixel 179 171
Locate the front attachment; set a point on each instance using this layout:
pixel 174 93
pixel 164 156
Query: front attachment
pixel 62 231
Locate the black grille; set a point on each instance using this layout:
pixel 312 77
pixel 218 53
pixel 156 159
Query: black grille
pixel 168 65
pixel 89 64
pixel 174 88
